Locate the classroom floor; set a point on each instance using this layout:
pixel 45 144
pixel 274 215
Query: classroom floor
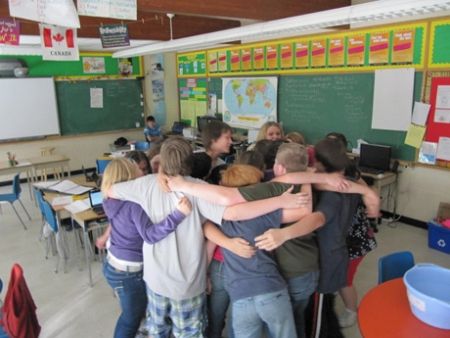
pixel 68 307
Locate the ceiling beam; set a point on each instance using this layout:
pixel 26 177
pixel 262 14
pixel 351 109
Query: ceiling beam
pixel 240 9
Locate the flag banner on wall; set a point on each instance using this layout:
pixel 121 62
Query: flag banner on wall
pixel 118 9
pixel 9 31
pixel 62 12
pixel 114 36
pixel 58 43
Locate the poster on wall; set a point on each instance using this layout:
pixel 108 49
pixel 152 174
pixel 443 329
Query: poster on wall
pixel 118 9
pixel 246 59
pixel 58 43
pixel 258 58
pixel 302 54
pixel 223 61
pixel 93 65
pixel 212 62
pixel 159 105
pixel 287 59
pixel 272 56
pixel 379 48
pixel 318 50
pixel 403 46
pixel 61 13
pixel 355 50
pixel 249 102
pixel 235 60
pixel 9 31
pixel 193 99
pixel 336 52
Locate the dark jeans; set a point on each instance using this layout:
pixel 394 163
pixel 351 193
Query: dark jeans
pixel 131 291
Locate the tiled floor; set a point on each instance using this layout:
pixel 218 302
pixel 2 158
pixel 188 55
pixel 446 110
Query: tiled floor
pixel 68 307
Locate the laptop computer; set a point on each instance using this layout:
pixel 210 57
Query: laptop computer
pixel 96 200
pixel 374 158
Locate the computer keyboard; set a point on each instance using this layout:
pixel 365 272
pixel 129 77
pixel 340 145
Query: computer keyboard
pixel 372 171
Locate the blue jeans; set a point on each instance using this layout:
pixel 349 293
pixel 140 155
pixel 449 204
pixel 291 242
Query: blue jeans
pixel 300 289
pixel 273 309
pixel 218 302
pixel 130 289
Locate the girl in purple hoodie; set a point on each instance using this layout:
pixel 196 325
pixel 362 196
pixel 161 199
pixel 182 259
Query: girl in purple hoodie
pixel 130 227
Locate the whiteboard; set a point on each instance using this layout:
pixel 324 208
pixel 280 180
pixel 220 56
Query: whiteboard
pixel 28 108
pixel 393 99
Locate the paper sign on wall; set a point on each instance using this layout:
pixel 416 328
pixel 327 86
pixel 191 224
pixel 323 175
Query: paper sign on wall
pixel 61 13
pixel 427 153
pixel 420 113
pixel 96 97
pixel 119 9
pixel 58 43
pixel 415 135
pixel 9 31
pixel 443 150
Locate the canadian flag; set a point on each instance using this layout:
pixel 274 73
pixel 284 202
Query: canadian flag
pixel 59 43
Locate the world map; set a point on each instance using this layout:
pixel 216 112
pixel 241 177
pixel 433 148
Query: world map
pixel 249 102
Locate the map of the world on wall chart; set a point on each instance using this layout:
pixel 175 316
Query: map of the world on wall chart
pixel 249 102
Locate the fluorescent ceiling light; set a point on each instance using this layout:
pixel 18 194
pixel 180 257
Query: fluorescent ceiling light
pixel 367 12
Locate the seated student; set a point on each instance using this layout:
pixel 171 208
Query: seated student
pixel 216 138
pixel 130 226
pixel 270 131
pixel 152 131
pixel 175 267
pixel 141 159
pixel 257 289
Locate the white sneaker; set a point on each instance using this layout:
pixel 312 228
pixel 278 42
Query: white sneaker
pixel 348 318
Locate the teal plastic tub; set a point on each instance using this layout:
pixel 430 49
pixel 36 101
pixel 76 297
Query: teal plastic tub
pixel 428 289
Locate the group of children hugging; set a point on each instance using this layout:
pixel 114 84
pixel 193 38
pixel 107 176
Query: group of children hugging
pixel 283 227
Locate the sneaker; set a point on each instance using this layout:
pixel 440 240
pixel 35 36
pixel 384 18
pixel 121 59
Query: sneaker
pixel 348 318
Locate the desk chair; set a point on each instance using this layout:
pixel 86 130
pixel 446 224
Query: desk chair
pixel 56 172
pixel 101 165
pixel 142 145
pixel 394 265
pixel 15 196
pixel 55 235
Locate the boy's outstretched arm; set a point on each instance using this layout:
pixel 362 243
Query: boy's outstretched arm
pixel 219 194
pixel 335 180
pixel 274 238
pixel 249 210
pixel 236 245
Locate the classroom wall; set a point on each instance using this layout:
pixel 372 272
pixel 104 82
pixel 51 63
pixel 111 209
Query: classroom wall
pixel 420 191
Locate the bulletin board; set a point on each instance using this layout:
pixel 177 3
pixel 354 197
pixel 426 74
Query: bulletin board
pixel 436 128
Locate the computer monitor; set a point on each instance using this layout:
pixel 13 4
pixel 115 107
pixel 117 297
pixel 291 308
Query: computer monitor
pixel 375 156
pixel 96 198
pixel 202 121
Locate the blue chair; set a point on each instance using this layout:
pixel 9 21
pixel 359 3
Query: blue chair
pixel 394 265
pixel 52 222
pixel 15 196
pixel 39 198
pixel 142 145
pixel 101 165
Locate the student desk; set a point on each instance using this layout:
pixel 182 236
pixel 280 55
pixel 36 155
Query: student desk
pixel 84 219
pixel 387 180
pixel 384 312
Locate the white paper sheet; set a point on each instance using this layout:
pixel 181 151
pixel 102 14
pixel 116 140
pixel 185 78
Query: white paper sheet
pixel 427 153
pixel 68 187
pixel 96 97
pixel 442 116
pixel 62 200
pixel 443 97
pixel 78 206
pixel 392 99
pixel 443 151
pixel 61 13
pixel 45 184
pixel 119 9
pixel 420 113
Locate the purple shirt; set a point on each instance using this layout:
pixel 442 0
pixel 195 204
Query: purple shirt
pixel 130 227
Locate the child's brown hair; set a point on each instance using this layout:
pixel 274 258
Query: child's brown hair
pixel 239 175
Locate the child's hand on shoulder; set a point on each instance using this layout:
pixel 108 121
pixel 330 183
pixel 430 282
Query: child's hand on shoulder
pixel 291 201
pixel 184 205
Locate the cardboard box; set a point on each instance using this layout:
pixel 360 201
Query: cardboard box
pixel 438 237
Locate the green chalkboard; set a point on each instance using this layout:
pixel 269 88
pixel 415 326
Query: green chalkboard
pixel 319 104
pixel 122 108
